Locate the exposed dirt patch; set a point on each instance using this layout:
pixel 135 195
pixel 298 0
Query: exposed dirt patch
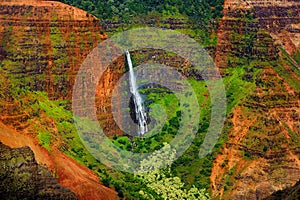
pixel 230 156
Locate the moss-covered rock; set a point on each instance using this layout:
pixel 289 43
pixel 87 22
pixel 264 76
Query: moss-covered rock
pixel 22 178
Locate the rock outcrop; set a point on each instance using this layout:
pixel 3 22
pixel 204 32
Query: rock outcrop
pixel 43 44
pixel 291 193
pixel 22 178
pixel 69 173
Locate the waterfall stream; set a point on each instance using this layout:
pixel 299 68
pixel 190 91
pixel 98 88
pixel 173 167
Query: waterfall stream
pixel 138 102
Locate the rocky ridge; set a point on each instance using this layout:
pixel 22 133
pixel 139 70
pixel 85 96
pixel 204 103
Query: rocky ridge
pixel 287 194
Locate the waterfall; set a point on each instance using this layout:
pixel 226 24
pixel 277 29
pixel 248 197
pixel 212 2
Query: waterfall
pixel 137 99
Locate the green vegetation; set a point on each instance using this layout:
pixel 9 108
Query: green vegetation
pixel 59 122
pixel 288 70
pixel 199 170
pixel 297 56
pixel 44 138
pixel 237 84
pixel 53 124
pixel 189 171
pixel 61 59
pixel 163 182
pixel 127 10
pixel 201 17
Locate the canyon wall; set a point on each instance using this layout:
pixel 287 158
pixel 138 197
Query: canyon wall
pixel 42 46
pixel 281 20
pixel 66 171
pixel 261 155
pixel 44 43
pixel 290 193
pixel 109 80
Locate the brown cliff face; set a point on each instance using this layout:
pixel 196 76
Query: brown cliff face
pixel 281 19
pixel 287 194
pixel 261 155
pixel 117 69
pixel 44 43
pixel 42 46
pixel 21 177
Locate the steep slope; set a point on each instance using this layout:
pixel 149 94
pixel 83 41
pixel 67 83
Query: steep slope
pixel 83 182
pixel 262 152
pixel 287 194
pixel 21 177
pixel 43 44
pixel 280 18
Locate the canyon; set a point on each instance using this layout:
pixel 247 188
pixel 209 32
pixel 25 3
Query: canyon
pixel 43 44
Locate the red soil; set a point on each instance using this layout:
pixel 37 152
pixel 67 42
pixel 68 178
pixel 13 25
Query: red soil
pixel 82 181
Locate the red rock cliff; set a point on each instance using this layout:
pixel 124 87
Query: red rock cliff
pixel 42 46
pixel 261 155
pixel 281 19
pixel 44 43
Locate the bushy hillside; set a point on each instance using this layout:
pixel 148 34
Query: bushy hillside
pixel 202 11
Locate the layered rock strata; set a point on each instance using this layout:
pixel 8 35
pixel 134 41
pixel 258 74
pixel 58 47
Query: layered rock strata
pixel 261 155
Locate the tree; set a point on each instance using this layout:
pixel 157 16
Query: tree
pixel 162 182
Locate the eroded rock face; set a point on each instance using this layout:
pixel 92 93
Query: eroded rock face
pixel 43 44
pixel 107 85
pixel 278 19
pixel 261 155
pixel 21 177
pixel 69 173
pixel 287 194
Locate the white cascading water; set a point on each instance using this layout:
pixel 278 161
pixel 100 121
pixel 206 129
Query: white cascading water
pixel 139 110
